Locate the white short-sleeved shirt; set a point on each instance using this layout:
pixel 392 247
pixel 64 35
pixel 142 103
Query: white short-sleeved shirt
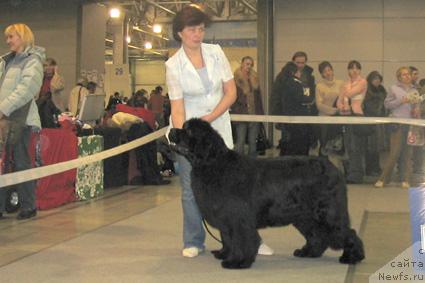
pixel 184 82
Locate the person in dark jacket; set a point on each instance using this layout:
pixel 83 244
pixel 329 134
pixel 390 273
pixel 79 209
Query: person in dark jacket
pixel 293 100
pixel 306 76
pixel 373 106
pixel 48 111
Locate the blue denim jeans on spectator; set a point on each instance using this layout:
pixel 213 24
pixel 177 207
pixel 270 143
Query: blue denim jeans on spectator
pixel 242 129
pixel 22 161
pixel 193 231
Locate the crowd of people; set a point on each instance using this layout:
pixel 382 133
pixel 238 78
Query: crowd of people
pixel 354 149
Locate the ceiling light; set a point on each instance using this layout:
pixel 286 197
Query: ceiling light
pixel 157 28
pixel 148 45
pixel 114 13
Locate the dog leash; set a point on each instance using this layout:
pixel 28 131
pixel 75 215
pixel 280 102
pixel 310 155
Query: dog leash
pixel 209 232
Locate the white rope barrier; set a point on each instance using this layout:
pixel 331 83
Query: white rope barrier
pixel 43 171
pixel 40 172
pixel 326 120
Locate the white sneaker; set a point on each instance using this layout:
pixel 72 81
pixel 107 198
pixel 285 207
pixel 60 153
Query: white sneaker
pixel 379 184
pixel 192 252
pixel 263 249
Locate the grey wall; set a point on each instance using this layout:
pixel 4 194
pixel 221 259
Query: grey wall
pixel 381 34
pixel 54 24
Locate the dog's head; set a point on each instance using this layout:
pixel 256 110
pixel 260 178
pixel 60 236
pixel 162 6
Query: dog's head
pixel 197 141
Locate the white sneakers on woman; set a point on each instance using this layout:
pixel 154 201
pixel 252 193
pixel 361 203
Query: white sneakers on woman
pixel 379 184
pixel 195 251
pixel 192 252
pixel 263 249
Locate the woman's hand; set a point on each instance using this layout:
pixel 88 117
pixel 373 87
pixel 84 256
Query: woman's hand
pixel 208 118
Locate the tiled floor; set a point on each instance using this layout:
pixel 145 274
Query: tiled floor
pixel 150 214
pixel 19 239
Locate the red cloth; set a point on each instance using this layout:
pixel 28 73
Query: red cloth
pixel 140 112
pixel 57 145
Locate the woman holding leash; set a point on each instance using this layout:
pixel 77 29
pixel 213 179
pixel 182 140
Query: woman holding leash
pixel 200 84
pixel 21 76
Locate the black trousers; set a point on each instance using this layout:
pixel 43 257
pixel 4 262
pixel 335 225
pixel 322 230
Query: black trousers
pixel 145 154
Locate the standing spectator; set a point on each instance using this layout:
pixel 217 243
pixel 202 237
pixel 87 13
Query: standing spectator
pixel 327 92
pixel 200 84
pixel 167 110
pixel 91 87
pixel 418 151
pixel 21 76
pixel 113 101
pixel 156 105
pixel 309 86
pixel 48 111
pixel 306 74
pixel 53 82
pixel 248 102
pixel 77 95
pixel 398 103
pixel 350 102
pixel 373 106
pixel 139 98
pixel 415 77
pixel 294 100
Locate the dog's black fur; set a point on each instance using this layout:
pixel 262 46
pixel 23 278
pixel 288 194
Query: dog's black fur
pixel 238 195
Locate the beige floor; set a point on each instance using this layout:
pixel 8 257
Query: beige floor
pixel 132 234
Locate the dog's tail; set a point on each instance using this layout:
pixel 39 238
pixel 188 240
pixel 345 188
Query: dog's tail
pixel 353 248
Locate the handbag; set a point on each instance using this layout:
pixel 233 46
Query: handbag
pixel 262 143
pixel 415 136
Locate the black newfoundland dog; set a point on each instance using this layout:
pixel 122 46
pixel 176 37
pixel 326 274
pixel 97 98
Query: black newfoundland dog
pixel 238 195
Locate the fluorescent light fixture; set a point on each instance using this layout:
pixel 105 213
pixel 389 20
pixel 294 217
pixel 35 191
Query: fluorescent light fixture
pixel 114 13
pixel 157 28
pixel 148 45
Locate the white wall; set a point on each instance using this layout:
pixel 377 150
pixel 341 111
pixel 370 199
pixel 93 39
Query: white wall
pixel 149 74
pixel 381 34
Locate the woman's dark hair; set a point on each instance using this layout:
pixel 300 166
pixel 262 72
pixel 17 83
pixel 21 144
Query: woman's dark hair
pixel 373 75
pixel 187 17
pixel 323 65
pixel 299 54
pixel 354 63
pixel 289 70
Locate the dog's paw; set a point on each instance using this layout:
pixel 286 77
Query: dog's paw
pixel 231 264
pixel 219 254
pixel 306 253
pixel 351 259
pixel 300 253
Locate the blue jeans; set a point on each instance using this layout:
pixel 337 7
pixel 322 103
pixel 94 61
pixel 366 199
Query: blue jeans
pixel 242 129
pixel 22 161
pixel 193 231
